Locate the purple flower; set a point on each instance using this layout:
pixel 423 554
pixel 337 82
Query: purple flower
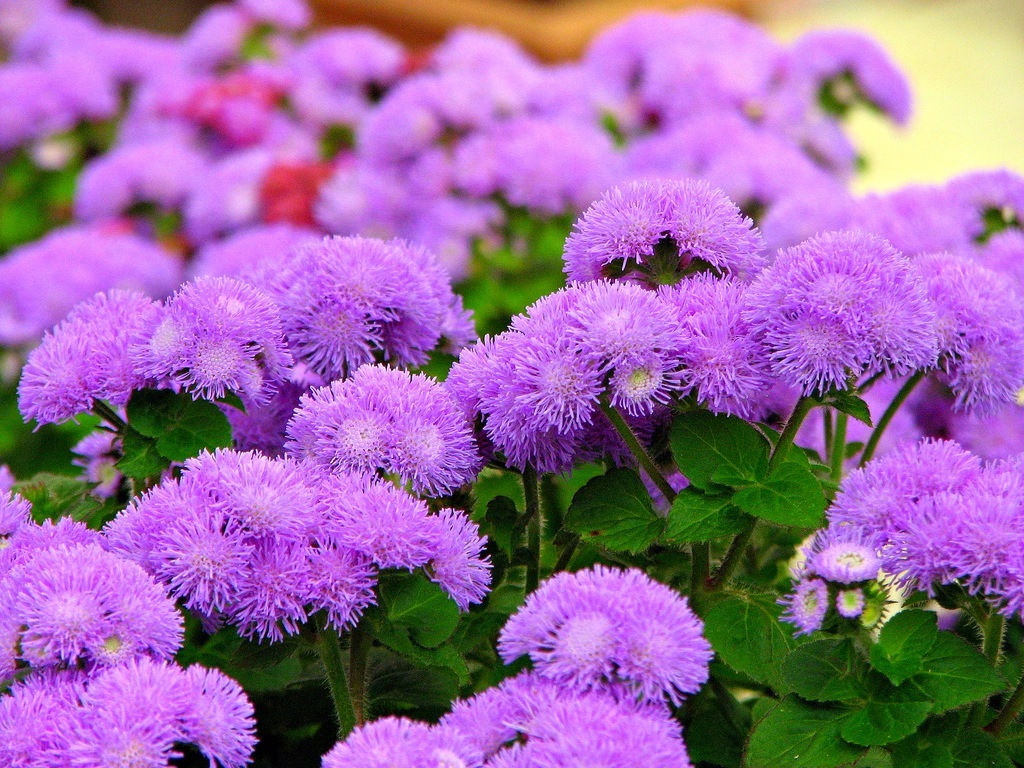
pixel 14 513
pixel 138 712
pixel 547 166
pixel 35 718
pixel 396 741
pixel 850 603
pixel 722 362
pixel 659 232
pixel 850 66
pixel 86 358
pixel 1004 253
pixel 601 626
pixel 66 606
pixel 918 219
pixel 159 173
pixel 996 436
pixel 226 198
pixel 387 420
pixel 839 554
pixel 97 453
pixel 348 301
pixel 880 497
pixel 996 197
pixel 980 331
pixel 806 606
pixel 457 562
pixel 216 335
pixel 42 281
pixel 839 306
pixel 32 105
pixel 261 427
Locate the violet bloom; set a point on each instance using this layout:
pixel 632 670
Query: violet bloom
pixel 140 711
pixel 262 426
pixel 81 605
pixel 15 512
pixel 996 197
pixel 216 335
pixel 840 306
pixel 602 626
pixel 722 363
pixel 36 716
pixel 840 555
pixel 348 301
pixel 996 436
pixel 918 219
pixel 86 358
pixel 850 603
pixel 396 741
pixel 387 420
pixel 549 167
pixel 238 540
pixel 980 332
pixel 158 173
pixel 806 606
pixel 340 73
pixel 243 251
pixel 846 67
pixel 97 454
pixel 1004 253
pixel 659 232
pixel 226 198
pixel 395 530
pixel 32 106
pixel 40 282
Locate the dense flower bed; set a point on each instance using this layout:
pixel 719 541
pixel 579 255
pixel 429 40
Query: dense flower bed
pixel 456 410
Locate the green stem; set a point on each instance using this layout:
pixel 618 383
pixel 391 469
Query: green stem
pixel 796 418
pixel 839 446
pixel 108 414
pixel 638 450
pixel 1010 710
pixel 992 629
pixel 565 556
pixel 827 422
pixel 328 646
pixel 700 572
pixel 358 651
pixel 732 711
pixel 732 557
pixel 890 412
pixel 531 491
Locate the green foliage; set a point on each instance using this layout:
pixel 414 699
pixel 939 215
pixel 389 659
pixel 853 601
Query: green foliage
pixel 615 511
pixel 903 643
pixel 413 602
pixel 696 516
pixel 746 634
pixel 182 427
pixel 795 733
pixel 56 496
pixel 825 670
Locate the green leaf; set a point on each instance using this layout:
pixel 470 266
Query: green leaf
pixel 790 495
pixel 850 404
pixel 395 685
pixel 824 670
pixel 499 523
pixel 398 640
pixel 614 510
pixel 747 635
pixel 800 735
pixel 888 715
pixel 413 601
pixel 56 496
pixel 695 516
pixel 140 458
pixel 720 450
pixel 955 673
pixel 902 644
pixel 977 749
pixel 182 427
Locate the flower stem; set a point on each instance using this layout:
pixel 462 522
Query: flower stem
pixel 1010 710
pixel 641 455
pixel 359 648
pixel 109 415
pixel 992 632
pixel 732 557
pixel 531 491
pixel 700 573
pixel 890 412
pixel 565 556
pixel 839 446
pixel 796 418
pixel 328 646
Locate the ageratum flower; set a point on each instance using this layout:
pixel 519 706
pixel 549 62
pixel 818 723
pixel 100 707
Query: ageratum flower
pixel 159 173
pixel 601 626
pixel 349 301
pixel 86 358
pixel 806 606
pixel 15 512
pixel 840 555
pixel 239 540
pixel 40 282
pixel 36 716
pixel 397 741
pixel 235 255
pixel 657 232
pixel 377 521
pixel 850 603
pixel 216 335
pixel 839 306
pixel 722 362
pixel 980 332
pixel 80 605
pixel 918 219
pixel 390 421
pixel 996 197
pixel 139 712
